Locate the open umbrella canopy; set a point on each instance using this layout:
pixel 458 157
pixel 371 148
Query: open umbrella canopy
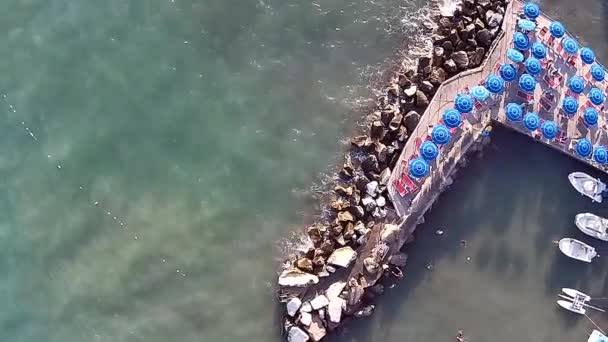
pixel 598 73
pixel 584 147
pixel 539 50
pixel 570 105
pixel 419 168
pixel 596 96
pixel 590 116
pixel 521 41
pixel 531 10
pixel 549 129
pixel 526 25
pixel 600 154
pixel 557 29
pixel 515 56
pixel 570 45
pixel 576 84
pixel 514 112
pixel 452 118
pixel 527 83
pixel 495 84
pixel 587 55
pixel 428 150
pixel 464 103
pixel 531 121
pixel 480 93
pixel 508 72
pixel 440 135
pixel 533 66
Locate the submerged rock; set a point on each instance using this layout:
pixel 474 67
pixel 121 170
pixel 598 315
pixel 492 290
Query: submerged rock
pixel 342 257
pixel 297 335
pixel 293 305
pixel 365 312
pixel 295 277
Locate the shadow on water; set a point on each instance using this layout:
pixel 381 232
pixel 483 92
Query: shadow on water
pixel 509 207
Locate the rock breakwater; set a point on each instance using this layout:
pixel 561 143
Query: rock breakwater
pixel 354 246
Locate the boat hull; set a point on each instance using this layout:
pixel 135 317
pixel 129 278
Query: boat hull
pixel 568 306
pixel 585 223
pixel 580 180
pixel 577 250
pixel 573 293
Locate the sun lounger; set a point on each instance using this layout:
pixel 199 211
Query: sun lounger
pixel 543 31
pixel 408 182
pixel 572 60
pixel 545 104
pixel 561 138
pixel 525 96
pixel 400 187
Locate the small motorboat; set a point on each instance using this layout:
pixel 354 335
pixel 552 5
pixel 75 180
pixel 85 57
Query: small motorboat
pixel 592 225
pixel 577 250
pixel 576 294
pixel 587 185
pixel 597 336
pixel 572 306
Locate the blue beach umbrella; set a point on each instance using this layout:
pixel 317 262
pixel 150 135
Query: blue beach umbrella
pixel 526 25
pixel 549 129
pixel 557 29
pixel 576 84
pixel 570 45
pixel 539 50
pixel 531 10
pixel 590 116
pixel 508 72
pixel 533 66
pixel 570 105
pixel 521 41
pixel 527 83
pixel 419 168
pixel 531 121
pixel 429 151
pixel 596 96
pixel 600 154
pixel 598 73
pixel 495 84
pixel 464 103
pixel 440 135
pixel 452 118
pixel 514 112
pixel 584 148
pixel 587 55
pixel 480 93
pixel 515 56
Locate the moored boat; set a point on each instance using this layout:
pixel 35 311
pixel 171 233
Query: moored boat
pixel 592 225
pixel 587 185
pixel 576 294
pixel 597 336
pixel 577 250
pixel 572 306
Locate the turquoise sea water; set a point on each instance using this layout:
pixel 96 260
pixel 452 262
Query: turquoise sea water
pixel 154 153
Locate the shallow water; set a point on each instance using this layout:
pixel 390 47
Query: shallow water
pixel 153 154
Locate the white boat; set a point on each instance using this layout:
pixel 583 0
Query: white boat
pixel 597 336
pixel 577 250
pixel 587 185
pixel 572 306
pixel 592 225
pixel 576 294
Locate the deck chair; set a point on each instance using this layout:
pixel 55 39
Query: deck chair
pixel 543 32
pixel 408 182
pixel 398 185
pixel 525 96
pixel 572 60
pixel 545 104
pixel 418 143
pixel 562 137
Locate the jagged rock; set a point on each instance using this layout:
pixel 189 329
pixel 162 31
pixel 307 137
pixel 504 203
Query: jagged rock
pixel 334 290
pixel 360 182
pixel 379 213
pixel 404 81
pixel 348 168
pixel 327 247
pixel 438 54
pixel 380 201
pixel 395 122
pixel 454 37
pixel 448 48
pixel 468 31
pixel 377 289
pixel 411 91
pixel 344 191
pixel 450 67
pixel 386 116
pixel 345 216
pixel 484 3
pixel 334 309
pixel 471 44
pixel 371 265
pixel 484 37
pixel 393 92
pixel 349 231
pixel 399 259
pixel 368 203
pixel 421 99
pixel 304 264
pixel 411 120
pixel 476 57
pixel 365 312
pixel 330 269
pixel 461 59
pixel 297 278
pixel 305 318
pixel 342 257
pixel 371 188
pixel 297 335
pixel 306 307
pixel 376 131
pixel 339 204
pixel 437 76
pixel 315 234
pixel 385 176
pixel 358 211
pixel 493 19
pixel 360 228
pixel 318 261
pixel 423 62
pixel 381 152
pixel 427 87
pixel 370 164
pixel 293 305
pixel 479 25
pixel 318 302
pixel 360 141
pixel 316 330
pixel 390 233
pixel 336 229
pixel 355 292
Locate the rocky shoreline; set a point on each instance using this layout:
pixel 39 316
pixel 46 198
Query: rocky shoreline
pixel 337 277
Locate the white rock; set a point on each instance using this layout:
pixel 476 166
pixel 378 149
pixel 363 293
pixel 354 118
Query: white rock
pixel 371 188
pixel 342 257
pixel 306 307
pixel 319 302
pixel 316 329
pixel 381 201
pixel 335 289
pixel 293 305
pixel 306 318
pixel 297 335
pixel 297 278
pixel 334 309
pixel 330 269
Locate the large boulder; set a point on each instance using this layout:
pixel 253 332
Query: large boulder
pixel 476 57
pixel 468 31
pixel 316 330
pixel 438 54
pixel 450 67
pixel 319 302
pixel 423 62
pixel 461 59
pixel 427 87
pixel 493 19
pixel 342 257
pixel 376 131
pixel 437 76
pixel 484 37
pixel 293 305
pixel 411 120
pixel 390 233
pixel 334 309
pixel 297 278
pixel 421 99
pixel 297 335
pixel 371 265
pixel 370 164
pixel 304 264
pixel 410 91
pixel 334 290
